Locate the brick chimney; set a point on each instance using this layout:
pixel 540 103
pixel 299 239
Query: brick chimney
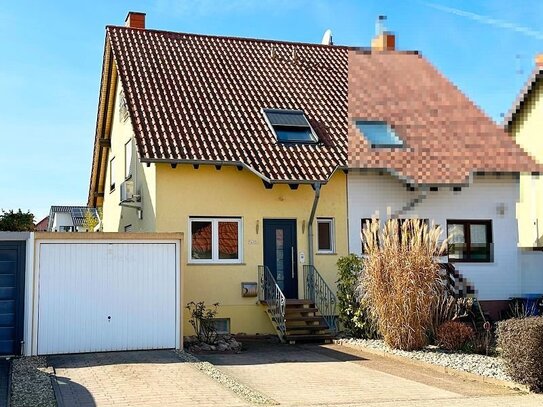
pixel 135 20
pixel 539 61
pixel 383 40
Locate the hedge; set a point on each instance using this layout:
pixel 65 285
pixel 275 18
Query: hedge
pixel 520 341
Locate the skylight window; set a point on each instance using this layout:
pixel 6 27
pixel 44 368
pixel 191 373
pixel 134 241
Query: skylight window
pixel 379 134
pixel 290 126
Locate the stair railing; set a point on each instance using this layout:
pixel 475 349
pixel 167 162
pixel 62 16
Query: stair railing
pixel 270 293
pixel 316 290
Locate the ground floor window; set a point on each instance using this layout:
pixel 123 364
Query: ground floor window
pixel 470 240
pixel 325 235
pixel 215 240
pixel 221 325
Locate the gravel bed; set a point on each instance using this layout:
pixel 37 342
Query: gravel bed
pixel 239 389
pixel 489 366
pixel 31 383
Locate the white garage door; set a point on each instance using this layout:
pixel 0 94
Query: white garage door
pixel 106 297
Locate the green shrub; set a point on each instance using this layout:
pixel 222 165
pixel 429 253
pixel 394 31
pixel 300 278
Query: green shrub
pixel 201 319
pixel 353 314
pixel 454 335
pixel 520 341
pixel 401 280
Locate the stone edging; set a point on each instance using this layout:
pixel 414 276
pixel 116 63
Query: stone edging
pixel 222 378
pixel 439 368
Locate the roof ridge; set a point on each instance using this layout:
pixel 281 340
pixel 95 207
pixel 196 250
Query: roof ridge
pixel 264 40
pixel 243 39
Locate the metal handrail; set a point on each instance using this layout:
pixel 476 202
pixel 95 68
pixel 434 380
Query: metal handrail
pixel 270 293
pixel 316 290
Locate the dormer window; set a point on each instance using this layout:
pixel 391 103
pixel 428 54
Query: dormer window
pixel 290 126
pixel 379 134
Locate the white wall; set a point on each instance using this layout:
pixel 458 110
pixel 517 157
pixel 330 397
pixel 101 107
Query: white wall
pixel 380 195
pixel 62 219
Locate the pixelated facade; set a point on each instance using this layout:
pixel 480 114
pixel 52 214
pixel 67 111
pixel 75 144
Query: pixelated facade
pixel 524 122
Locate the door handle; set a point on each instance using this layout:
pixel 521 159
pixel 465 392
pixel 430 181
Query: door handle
pixel 292 261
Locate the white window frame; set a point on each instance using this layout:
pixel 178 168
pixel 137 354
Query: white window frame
pixel 128 159
pixel 112 174
pixel 215 240
pixel 331 222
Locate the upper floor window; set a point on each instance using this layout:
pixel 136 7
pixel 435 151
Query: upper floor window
pixel 379 133
pixel 325 235
pixel 290 126
pixel 215 240
pixel 128 159
pixel 470 240
pixel 112 174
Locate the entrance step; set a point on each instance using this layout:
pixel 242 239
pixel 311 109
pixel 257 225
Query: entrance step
pixel 309 338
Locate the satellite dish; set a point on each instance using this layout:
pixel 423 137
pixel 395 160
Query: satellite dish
pixel 327 38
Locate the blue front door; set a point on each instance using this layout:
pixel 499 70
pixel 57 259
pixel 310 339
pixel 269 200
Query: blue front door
pixel 12 256
pixel 280 254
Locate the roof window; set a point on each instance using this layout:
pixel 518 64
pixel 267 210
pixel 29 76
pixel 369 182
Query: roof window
pixel 290 126
pixel 379 134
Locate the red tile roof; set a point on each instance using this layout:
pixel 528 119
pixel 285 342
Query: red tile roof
pixel 447 137
pixel 200 98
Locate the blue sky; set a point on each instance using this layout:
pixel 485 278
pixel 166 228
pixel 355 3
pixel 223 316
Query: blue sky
pixel 51 55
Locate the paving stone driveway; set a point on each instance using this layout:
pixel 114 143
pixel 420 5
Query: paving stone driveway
pixel 334 376
pixel 147 378
pixel 301 375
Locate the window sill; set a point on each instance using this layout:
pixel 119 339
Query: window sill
pixel 327 253
pixel 128 177
pixel 112 190
pixel 470 261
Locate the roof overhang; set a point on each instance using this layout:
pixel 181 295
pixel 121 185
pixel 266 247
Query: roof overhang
pixel 106 102
pixel 522 98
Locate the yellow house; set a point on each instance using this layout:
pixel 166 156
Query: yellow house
pixel 269 155
pixel 219 138
pixel 525 124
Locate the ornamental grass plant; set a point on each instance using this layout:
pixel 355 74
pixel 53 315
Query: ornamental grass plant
pixel 401 281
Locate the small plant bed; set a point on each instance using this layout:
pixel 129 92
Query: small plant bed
pixel 207 339
pixel 488 366
pixel 223 343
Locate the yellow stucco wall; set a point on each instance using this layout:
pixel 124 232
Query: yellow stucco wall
pixel 184 191
pixel 170 196
pixel 116 217
pixel 527 130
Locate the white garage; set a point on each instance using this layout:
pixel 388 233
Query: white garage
pixel 106 292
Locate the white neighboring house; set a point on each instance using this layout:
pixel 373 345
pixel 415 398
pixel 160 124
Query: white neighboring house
pixel 69 218
pixel 489 258
pixel 419 148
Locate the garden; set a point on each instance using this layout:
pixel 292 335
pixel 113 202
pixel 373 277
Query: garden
pixel 395 299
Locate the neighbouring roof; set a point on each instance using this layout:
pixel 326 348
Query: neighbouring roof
pixel 523 97
pixel 42 225
pixel 76 212
pixel 200 99
pixel 446 136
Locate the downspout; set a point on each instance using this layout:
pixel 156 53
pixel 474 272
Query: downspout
pixel 310 255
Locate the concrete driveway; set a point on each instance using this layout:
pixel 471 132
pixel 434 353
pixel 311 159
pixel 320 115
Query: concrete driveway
pixel 301 375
